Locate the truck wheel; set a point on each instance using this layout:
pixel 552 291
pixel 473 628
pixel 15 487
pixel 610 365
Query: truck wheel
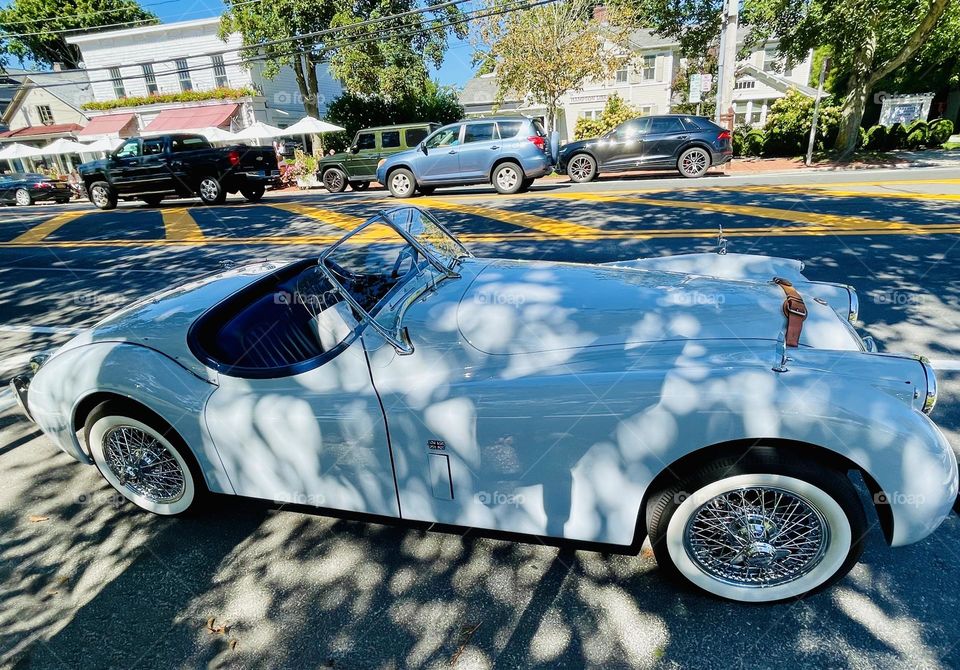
pixel 102 195
pixel 334 180
pixel 508 178
pixel 253 193
pixel 359 185
pixel 212 191
pixel 153 200
pixel 401 183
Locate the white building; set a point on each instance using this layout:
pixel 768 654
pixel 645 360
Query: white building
pixel 645 82
pixel 185 57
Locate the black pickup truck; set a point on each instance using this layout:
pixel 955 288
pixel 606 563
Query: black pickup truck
pixel 179 166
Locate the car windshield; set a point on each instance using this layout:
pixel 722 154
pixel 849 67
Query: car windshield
pixel 386 252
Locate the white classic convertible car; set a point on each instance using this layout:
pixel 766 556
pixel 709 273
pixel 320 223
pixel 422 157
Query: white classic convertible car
pixel 717 403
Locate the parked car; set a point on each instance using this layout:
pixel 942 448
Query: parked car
pixel 509 152
pixel 26 188
pixel 690 398
pixel 179 166
pixel 689 144
pixel 357 166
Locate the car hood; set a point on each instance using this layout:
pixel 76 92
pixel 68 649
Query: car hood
pixel 518 307
pixel 161 321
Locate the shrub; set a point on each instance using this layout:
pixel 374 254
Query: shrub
pixel 918 134
pixel 788 125
pixel 875 139
pixel 182 96
pixel 896 137
pixel 587 128
pixel 753 142
pixel 615 112
pixel 940 131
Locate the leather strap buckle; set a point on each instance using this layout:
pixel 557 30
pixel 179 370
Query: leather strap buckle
pixel 794 309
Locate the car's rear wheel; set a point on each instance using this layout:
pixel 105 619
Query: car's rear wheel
pixel 582 168
pixel 401 183
pixel 359 185
pixel 694 162
pixel 153 200
pixel 508 178
pixel 253 193
pixel 334 180
pixel 102 195
pixel 143 459
pixel 23 197
pixel 759 528
pixel 212 191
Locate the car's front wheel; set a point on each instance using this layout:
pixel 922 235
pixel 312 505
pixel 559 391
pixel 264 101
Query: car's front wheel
pixel 23 197
pixel 401 183
pixel 102 195
pixel 143 459
pixel 694 162
pixel 508 178
pixel 212 191
pixel 334 180
pixel 759 528
pixel 582 168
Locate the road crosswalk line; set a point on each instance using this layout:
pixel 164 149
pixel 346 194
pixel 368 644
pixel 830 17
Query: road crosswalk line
pixel 329 216
pixel 39 232
pixel 179 225
pixel 541 224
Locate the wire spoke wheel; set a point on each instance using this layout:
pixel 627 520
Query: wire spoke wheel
pixel 143 465
pixel 22 197
pixel 757 537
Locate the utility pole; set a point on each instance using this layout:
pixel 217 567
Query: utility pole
pixel 728 60
pixel 816 110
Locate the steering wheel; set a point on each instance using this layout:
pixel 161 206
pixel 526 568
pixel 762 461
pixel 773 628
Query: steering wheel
pixel 408 252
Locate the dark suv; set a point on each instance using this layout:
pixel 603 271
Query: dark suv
pixel 357 166
pixel 688 144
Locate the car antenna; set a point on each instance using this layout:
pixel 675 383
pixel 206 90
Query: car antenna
pixel 721 242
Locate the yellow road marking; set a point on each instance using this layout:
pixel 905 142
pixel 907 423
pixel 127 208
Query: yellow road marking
pixel 541 224
pixel 51 225
pixel 344 221
pixel 824 191
pixel 179 225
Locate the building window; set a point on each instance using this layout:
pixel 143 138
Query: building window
pixel 150 79
pixel 118 89
pixel 590 113
pixel 646 110
pixel 769 60
pixel 45 114
pixel 183 73
pixel 649 70
pixel 219 71
pixel 622 74
pixel 744 84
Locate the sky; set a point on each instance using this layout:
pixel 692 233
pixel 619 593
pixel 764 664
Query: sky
pixel 456 69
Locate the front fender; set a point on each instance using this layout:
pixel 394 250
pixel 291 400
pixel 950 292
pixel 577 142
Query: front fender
pixel 143 375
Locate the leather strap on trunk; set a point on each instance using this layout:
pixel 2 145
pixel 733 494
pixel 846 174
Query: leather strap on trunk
pixel 794 309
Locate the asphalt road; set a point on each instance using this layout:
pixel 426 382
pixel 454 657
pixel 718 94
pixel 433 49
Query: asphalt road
pixel 88 581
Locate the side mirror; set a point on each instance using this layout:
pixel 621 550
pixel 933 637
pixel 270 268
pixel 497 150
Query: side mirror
pixel 423 147
pixel 354 149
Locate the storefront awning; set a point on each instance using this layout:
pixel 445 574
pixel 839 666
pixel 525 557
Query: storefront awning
pixel 191 118
pixel 109 124
pixel 41 132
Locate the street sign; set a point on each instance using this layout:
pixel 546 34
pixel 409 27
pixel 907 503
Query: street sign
pixel 706 83
pixel 695 83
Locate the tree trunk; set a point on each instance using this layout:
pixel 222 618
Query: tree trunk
pixel 301 67
pixel 858 91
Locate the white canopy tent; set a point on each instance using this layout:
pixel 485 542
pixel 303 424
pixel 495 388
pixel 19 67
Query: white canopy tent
pixel 259 131
pixel 103 145
pixel 61 147
pixel 18 151
pixel 309 125
pixel 218 135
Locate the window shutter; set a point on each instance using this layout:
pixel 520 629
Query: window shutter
pixel 658 70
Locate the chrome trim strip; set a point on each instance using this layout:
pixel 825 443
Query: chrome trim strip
pixel 930 399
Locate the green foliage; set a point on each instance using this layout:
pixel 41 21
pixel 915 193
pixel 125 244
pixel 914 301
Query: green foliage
pixel 354 112
pixel 918 134
pixel 754 142
pixel 940 131
pixel 680 86
pixel 694 23
pixel 896 137
pixel 304 165
pixel 788 124
pixel 183 96
pixel 393 64
pixel 615 112
pixel 875 138
pixel 30 27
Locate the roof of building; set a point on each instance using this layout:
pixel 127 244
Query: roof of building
pixel 41 131
pixel 141 30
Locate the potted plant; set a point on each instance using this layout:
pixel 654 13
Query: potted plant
pixel 304 170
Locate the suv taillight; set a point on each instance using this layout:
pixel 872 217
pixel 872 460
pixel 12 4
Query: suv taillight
pixel 724 135
pixel 234 157
pixel 538 141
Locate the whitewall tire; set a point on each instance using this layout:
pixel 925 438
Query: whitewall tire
pixel 146 465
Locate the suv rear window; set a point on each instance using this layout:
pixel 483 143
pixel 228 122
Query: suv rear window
pixel 539 128
pixel 669 124
pixel 699 123
pixel 390 139
pixel 415 135
pixel 478 132
pixel 509 129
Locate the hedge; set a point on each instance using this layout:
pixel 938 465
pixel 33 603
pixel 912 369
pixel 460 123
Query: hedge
pixel 940 131
pixel 182 96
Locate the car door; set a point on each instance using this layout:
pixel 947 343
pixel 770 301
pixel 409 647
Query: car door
pixel 154 174
pixel 6 189
pixel 662 143
pixel 622 148
pixel 442 160
pixel 315 438
pixel 124 165
pixel 479 151
pixel 366 155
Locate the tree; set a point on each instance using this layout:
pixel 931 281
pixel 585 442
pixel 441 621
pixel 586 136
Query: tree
pixel 615 112
pixel 389 58
pixel 868 39
pixel 30 30
pixel 541 53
